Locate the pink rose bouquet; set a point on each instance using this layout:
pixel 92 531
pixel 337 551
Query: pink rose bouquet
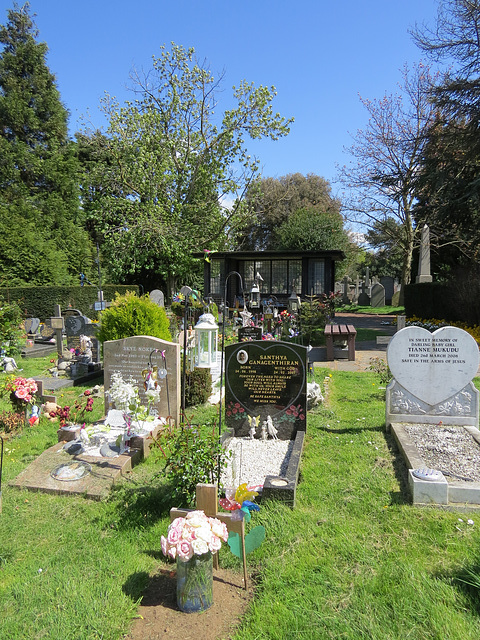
pixel 22 391
pixel 196 534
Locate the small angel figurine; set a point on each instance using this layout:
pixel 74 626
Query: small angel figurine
pixel 253 426
pixel 264 435
pixel 272 431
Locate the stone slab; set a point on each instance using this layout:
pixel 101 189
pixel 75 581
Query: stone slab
pixel 96 485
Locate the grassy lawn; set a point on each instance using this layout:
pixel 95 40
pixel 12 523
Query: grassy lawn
pixel 353 560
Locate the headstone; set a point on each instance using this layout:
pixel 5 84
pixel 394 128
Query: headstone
pixel 346 290
pixel 388 284
pixel 77 326
pixel 31 325
pixel 396 298
pixel 367 278
pixel 130 356
pixel 266 379
pixel 157 297
pixel 363 298
pixel 249 333
pixel 424 260
pixel 377 297
pixel 432 377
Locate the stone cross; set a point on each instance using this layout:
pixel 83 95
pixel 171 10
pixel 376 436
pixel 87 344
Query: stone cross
pixel 424 261
pixel 56 322
pixel 207 501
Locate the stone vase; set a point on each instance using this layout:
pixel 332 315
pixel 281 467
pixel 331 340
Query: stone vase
pixel 195 583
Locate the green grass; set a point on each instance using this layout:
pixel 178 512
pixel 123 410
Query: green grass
pixel 353 560
pixel 380 311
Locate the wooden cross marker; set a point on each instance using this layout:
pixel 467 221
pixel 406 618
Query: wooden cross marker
pixel 207 501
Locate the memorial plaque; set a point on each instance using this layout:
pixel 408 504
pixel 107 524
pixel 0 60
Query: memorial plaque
pixel 266 379
pixel 249 333
pixel 130 356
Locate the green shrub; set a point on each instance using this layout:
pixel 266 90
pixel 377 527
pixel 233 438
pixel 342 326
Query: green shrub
pixel 193 454
pixel 10 319
pixel 130 315
pixel 198 387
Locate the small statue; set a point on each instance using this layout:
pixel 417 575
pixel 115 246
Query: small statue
pixel 9 365
pixel 34 415
pixel 272 431
pixel 253 421
pixel 264 435
pixel 253 426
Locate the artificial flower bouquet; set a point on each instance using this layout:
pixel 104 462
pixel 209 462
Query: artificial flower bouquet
pixel 196 534
pixel 22 392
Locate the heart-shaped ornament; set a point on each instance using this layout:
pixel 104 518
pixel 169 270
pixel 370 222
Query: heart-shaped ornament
pixel 253 540
pixel 433 366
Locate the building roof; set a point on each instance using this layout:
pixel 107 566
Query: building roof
pixel 251 255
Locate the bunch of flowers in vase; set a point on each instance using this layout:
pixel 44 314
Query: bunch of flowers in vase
pixel 125 396
pixel 192 541
pixel 21 392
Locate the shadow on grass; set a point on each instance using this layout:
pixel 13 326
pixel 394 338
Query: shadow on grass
pixel 157 590
pixel 400 470
pixel 467 581
pixel 350 430
pixel 140 505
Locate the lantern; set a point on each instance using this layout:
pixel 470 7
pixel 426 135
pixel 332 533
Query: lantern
pixel 255 297
pixel 206 336
pixel 293 302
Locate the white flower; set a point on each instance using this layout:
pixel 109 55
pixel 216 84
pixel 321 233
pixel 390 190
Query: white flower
pixel 196 518
pixel 199 547
pixel 470 522
pixel 204 533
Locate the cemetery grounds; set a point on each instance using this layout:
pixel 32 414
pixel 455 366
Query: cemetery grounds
pixel 353 560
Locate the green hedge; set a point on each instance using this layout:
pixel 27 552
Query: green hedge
pixel 454 302
pixel 39 302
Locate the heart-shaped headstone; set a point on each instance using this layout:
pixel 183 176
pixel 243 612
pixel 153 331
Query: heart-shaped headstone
pixel 433 366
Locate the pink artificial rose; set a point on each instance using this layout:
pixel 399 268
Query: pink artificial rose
pixel 184 550
pixel 215 544
pixel 21 393
pixel 164 545
pixel 32 387
pixel 174 535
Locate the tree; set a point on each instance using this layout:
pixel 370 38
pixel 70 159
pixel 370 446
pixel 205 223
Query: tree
pixel 157 180
pixel 384 239
pixel 271 202
pixel 386 156
pixel 40 220
pixel 449 184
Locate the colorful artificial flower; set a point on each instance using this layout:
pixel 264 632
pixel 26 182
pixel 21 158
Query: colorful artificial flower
pixel 196 534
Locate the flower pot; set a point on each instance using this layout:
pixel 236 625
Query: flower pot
pixel 195 583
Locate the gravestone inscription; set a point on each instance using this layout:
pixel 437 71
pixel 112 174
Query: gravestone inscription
pixel 432 377
pixel 266 380
pixel 130 357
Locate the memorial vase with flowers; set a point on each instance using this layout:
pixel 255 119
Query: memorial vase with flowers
pixel 22 394
pixel 192 541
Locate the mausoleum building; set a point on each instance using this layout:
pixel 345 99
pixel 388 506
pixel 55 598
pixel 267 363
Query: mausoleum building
pixel 277 274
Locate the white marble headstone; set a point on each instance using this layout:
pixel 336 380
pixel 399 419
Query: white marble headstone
pixel 433 366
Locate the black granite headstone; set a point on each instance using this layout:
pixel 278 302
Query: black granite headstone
pixel 262 379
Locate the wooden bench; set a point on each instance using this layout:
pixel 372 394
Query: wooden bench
pixel 337 332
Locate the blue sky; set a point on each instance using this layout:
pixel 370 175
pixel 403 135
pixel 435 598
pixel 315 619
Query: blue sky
pixel 319 55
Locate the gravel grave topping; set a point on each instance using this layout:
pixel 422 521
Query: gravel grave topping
pixel 451 450
pixel 253 460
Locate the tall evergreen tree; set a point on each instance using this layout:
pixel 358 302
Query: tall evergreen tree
pixel 43 240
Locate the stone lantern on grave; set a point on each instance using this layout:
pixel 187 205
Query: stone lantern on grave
pixel 293 303
pixel 255 296
pixel 206 338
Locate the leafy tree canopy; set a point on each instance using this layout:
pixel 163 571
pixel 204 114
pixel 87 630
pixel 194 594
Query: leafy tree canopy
pixel 156 182
pixel 40 220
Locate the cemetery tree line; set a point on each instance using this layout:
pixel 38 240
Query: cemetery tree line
pixel 417 159
pixel 41 224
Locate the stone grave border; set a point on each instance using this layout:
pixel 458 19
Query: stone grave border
pixel 280 488
pixel 455 495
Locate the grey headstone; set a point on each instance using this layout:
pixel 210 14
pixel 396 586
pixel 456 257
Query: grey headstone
pixel 131 356
pixel 157 296
pixel 377 298
pixel 388 284
pixel 31 325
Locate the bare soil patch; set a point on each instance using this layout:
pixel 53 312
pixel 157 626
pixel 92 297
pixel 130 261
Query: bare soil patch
pixel 160 617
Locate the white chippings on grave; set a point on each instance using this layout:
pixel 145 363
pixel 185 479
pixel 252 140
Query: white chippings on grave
pixel 252 460
pixel 451 450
